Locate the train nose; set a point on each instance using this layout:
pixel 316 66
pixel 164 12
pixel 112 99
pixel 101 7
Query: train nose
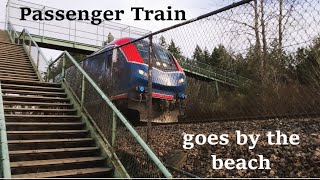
pixel 164 80
pixel 170 79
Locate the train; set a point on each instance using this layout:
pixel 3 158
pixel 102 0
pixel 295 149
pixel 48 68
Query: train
pixel 122 73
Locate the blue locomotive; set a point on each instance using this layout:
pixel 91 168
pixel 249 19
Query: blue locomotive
pixel 123 75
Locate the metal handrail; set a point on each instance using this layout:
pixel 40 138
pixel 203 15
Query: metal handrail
pixel 125 122
pixel 97 37
pixel 22 37
pixel 120 25
pixel 26 32
pixel 209 68
pixel 218 76
pixel 5 162
pixel 11 29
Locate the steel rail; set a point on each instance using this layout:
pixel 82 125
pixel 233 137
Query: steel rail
pixel 234 119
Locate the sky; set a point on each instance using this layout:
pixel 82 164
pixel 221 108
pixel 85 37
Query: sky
pixel 301 27
pixel 193 8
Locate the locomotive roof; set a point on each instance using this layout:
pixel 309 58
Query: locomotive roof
pixel 113 44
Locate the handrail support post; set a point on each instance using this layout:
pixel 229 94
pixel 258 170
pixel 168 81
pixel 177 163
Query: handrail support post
pixel 48 73
pixel 63 66
pixel 83 92
pixel 114 128
pixel 38 59
pixel 29 46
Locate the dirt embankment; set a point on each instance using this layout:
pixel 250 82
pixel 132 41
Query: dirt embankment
pixel 301 160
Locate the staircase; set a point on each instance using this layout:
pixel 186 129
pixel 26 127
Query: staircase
pixel 4 36
pixel 46 137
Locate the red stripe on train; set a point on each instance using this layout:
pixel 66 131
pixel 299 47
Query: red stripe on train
pixel 162 96
pixel 129 50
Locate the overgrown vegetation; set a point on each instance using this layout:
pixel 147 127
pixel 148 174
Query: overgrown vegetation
pixel 282 61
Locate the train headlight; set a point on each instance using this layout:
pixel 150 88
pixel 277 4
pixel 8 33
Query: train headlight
pixel 142 72
pixel 182 96
pixel 140 89
pixel 181 80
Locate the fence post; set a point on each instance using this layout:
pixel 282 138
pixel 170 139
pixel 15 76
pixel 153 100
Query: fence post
pixel 23 38
pixel 63 66
pixel 97 35
pixel 48 73
pixel 217 88
pixel 75 34
pixel 42 37
pixel 114 128
pixel 149 100
pixel 83 92
pixel 7 14
pixel 69 30
pixel 29 46
pixel 15 39
pixel 38 58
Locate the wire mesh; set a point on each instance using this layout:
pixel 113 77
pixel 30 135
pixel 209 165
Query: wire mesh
pixel 241 62
pixel 135 159
pixel 255 60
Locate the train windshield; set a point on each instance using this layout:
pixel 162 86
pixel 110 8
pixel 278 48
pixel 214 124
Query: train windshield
pixel 161 57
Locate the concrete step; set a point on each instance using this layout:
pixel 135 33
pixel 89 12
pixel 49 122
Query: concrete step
pixel 88 172
pixel 31 88
pixel 42 154
pixel 57 134
pixel 32 83
pixel 32 126
pixel 23 167
pixel 35 99
pixel 49 143
pixel 21 104
pixel 39 93
pixel 46 111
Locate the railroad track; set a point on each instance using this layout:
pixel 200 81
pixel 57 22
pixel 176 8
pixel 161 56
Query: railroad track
pixel 248 118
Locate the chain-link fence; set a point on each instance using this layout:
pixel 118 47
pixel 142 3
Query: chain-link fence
pixel 251 60
pixel 262 63
pixel 137 161
pixel 257 60
pixel 240 62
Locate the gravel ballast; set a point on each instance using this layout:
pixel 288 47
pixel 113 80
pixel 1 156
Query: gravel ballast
pixel 302 160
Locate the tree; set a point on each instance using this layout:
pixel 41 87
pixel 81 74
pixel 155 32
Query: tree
pixel 175 50
pixel 308 63
pixel 220 57
pixel 198 54
pixel 206 56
